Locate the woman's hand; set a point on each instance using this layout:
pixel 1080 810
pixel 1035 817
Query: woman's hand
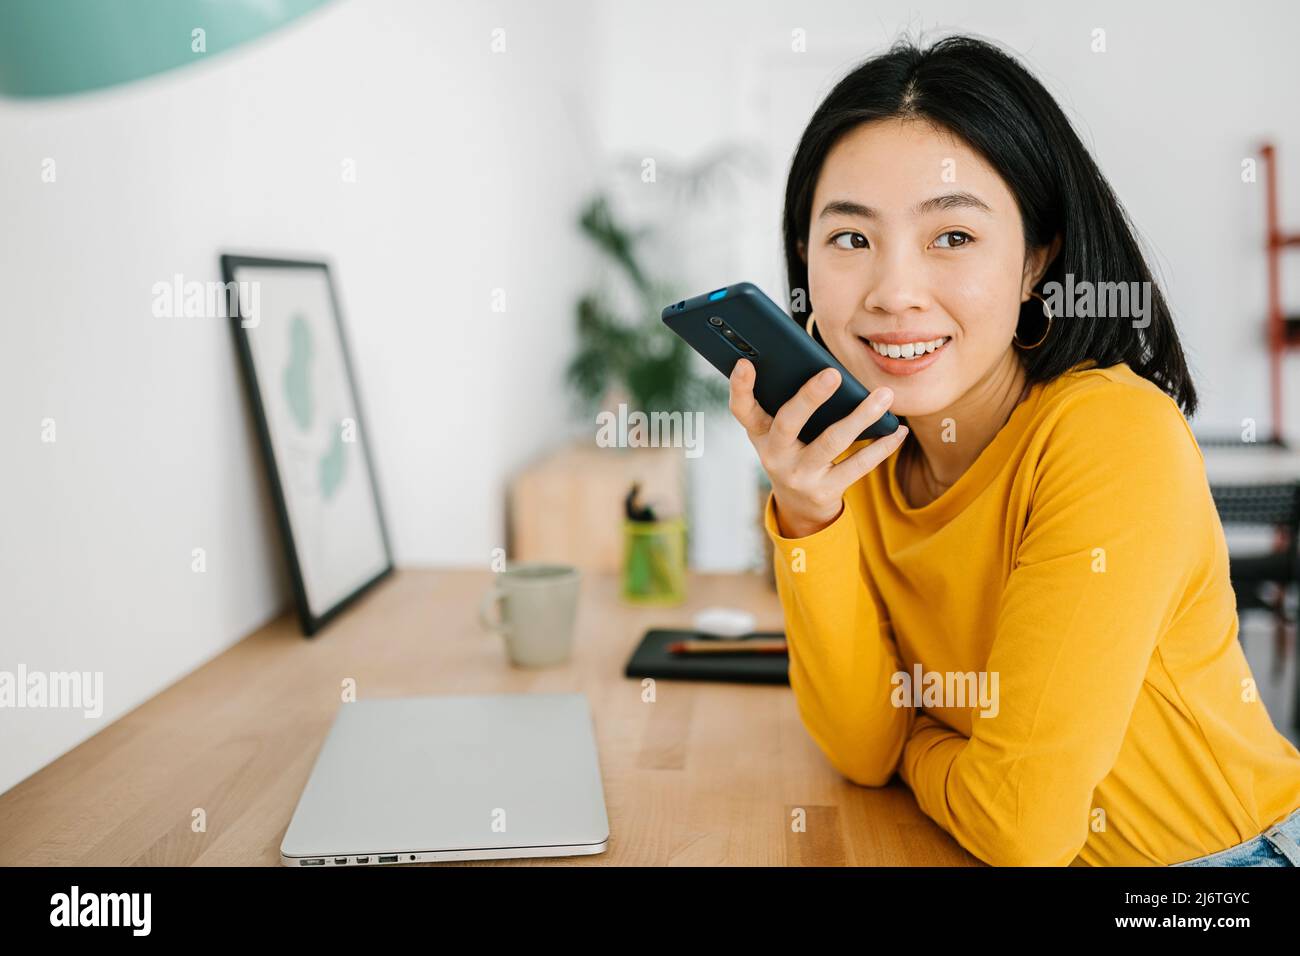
pixel 808 488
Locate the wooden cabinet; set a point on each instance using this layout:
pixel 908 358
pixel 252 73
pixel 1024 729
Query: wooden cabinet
pixel 568 507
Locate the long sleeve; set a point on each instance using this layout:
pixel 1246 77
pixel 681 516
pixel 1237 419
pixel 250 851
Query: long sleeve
pixel 842 653
pixel 1120 510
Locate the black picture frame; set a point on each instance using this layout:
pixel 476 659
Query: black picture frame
pixel 311 622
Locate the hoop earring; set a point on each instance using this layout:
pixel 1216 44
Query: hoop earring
pixel 1047 312
pixel 808 326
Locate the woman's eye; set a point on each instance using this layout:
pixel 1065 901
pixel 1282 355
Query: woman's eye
pixel 965 240
pixel 859 241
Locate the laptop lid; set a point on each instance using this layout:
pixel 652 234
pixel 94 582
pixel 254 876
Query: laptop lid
pixel 428 778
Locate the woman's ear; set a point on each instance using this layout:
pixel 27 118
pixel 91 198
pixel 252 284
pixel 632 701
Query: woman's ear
pixel 1037 264
pixel 802 248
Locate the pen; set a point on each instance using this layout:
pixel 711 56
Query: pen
pixel 758 645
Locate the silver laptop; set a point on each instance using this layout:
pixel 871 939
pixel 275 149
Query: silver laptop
pixel 431 779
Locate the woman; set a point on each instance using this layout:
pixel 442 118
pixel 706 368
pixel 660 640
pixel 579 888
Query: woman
pixel 1026 612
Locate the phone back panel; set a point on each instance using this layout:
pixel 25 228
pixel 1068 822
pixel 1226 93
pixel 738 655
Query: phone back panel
pixel 786 355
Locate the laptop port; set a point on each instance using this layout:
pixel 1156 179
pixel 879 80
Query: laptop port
pixel 363 859
pixel 388 859
pixel 313 862
pixel 340 860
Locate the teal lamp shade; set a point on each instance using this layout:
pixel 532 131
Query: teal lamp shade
pixel 56 47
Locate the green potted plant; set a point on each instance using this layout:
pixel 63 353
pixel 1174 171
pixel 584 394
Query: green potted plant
pixel 634 354
pixel 634 357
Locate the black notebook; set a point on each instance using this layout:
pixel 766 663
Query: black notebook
pixel 651 659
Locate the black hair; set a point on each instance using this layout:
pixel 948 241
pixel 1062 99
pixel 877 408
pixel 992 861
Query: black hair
pixel 984 96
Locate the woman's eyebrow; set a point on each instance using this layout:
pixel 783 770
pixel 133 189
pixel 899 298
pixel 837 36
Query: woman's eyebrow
pixel 959 200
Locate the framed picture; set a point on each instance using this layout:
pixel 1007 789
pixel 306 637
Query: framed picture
pixel 292 348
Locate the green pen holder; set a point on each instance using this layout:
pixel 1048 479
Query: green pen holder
pixel 654 561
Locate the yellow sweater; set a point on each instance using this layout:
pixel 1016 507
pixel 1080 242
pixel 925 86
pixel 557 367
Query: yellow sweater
pixel 1080 564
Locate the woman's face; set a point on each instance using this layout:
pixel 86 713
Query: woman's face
pixel 914 238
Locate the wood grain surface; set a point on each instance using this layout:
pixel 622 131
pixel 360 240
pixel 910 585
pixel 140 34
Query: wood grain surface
pixel 707 774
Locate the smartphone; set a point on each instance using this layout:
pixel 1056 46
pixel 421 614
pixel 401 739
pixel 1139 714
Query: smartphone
pixel 740 321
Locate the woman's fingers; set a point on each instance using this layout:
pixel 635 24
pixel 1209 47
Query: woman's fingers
pixel 743 405
pixel 852 469
pixel 795 465
pixel 794 414
pixel 838 436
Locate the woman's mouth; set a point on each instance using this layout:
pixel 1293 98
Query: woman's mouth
pixel 908 358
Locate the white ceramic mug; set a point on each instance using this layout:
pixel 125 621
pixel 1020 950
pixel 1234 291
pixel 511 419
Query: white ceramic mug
pixel 539 606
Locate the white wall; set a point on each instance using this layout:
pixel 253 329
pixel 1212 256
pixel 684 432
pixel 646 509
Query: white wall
pixel 470 170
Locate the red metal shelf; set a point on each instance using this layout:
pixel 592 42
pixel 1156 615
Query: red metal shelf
pixel 1283 330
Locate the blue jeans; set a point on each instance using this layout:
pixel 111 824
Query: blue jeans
pixel 1279 845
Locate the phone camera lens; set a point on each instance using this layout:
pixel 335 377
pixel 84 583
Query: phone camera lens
pixel 715 321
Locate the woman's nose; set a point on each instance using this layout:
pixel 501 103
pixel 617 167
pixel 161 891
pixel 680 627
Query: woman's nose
pixel 896 284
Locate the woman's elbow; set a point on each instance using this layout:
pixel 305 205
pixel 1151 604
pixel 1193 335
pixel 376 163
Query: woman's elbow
pixel 865 745
pixel 1026 847
pixel 869 765
pixel 877 775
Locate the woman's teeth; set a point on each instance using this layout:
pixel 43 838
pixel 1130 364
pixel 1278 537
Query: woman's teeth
pixel 910 350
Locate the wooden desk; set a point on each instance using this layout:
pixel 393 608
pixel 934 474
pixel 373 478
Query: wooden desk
pixel 707 774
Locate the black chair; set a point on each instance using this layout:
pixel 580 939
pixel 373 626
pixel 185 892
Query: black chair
pixel 1276 505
